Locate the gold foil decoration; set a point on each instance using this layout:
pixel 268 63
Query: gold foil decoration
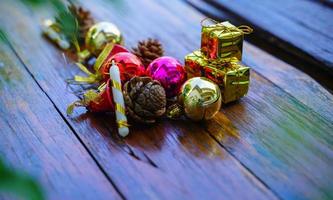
pixel 231 76
pixel 222 40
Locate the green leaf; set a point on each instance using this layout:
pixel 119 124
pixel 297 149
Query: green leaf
pixel 68 25
pixel 3 36
pixel 19 184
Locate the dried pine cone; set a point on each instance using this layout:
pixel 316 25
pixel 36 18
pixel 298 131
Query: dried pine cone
pixel 145 99
pixel 85 21
pixel 148 50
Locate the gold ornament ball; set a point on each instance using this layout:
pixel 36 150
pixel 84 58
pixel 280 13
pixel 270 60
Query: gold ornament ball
pixel 200 98
pixel 100 34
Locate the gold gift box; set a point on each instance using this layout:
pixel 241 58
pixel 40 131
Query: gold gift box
pixel 231 75
pixel 222 40
pixel 236 83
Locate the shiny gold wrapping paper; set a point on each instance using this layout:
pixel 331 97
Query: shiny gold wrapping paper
pixel 231 76
pixel 222 40
pixel 236 83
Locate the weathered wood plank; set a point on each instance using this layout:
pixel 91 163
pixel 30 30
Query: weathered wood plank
pixel 274 122
pixel 151 159
pixel 287 145
pixel 173 22
pixel 259 38
pixel 294 26
pixel 293 81
pixel 122 168
pixel 34 138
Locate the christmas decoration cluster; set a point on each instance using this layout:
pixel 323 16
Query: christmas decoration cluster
pixel 143 84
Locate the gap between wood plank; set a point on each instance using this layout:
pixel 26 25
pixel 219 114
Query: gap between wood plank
pixel 130 151
pixel 222 146
pixel 282 40
pixel 237 161
pixel 272 44
pixel 232 159
pixel 300 104
pixel 36 143
pixel 67 123
pixel 323 101
pixel 273 84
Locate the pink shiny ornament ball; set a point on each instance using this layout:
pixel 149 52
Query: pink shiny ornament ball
pixel 169 72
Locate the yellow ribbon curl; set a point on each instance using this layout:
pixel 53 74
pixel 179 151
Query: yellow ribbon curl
pixel 97 76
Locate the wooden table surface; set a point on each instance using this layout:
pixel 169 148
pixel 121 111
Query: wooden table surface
pixel 275 143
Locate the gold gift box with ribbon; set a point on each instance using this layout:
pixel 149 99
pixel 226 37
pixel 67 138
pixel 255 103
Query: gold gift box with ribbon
pixel 222 40
pixel 232 76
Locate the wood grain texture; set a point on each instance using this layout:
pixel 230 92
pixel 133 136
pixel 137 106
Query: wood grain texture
pixel 296 83
pixel 173 24
pixel 295 26
pixel 293 81
pixel 286 145
pixel 305 135
pixel 124 169
pixel 35 139
pixel 151 159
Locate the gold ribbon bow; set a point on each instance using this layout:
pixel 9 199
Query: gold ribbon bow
pixel 97 76
pixel 244 29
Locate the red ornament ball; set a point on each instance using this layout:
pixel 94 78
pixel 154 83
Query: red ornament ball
pixel 169 72
pixel 129 66
pixel 117 48
pixel 104 101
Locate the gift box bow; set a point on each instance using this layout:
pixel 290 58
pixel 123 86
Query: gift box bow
pixel 225 27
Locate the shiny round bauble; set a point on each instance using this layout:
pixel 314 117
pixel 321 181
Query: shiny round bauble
pixel 169 72
pixel 129 66
pixel 100 34
pixel 200 98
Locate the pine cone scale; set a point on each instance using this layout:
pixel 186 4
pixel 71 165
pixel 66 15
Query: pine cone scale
pixel 148 50
pixel 145 99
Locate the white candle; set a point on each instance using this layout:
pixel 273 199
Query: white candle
pixel 118 99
